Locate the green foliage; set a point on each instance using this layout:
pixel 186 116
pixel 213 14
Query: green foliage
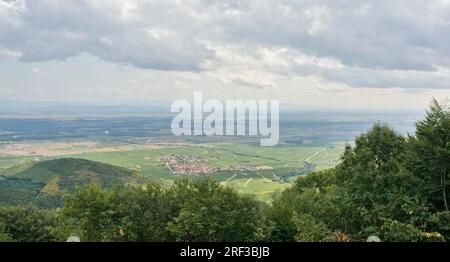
pixel 120 214
pixel 386 185
pixel 429 156
pixel 4 237
pixel 74 172
pixel 26 224
pixel 310 195
pixel 375 162
pixel 17 191
pixel 310 229
pixel 395 231
pixel 42 183
pixel 188 211
pixel 211 212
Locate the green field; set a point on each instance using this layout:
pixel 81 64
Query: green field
pixel 286 164
pixel 252 170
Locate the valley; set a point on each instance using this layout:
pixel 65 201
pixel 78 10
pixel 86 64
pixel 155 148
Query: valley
pixel 145 148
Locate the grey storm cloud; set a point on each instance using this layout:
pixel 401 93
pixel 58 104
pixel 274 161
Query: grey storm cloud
pixel 379 43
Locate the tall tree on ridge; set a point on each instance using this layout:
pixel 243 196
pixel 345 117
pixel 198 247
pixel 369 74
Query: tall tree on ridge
pixel 430 155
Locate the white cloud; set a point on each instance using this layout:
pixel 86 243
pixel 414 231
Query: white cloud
pixel 249 43
pixel 249 78
pixel 6 53
pixel 37 71
pixel 116 31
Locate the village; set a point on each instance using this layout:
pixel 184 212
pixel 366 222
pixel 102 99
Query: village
pixel 190 165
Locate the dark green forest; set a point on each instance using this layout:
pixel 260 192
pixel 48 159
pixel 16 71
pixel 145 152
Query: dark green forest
pixel 387 185
pixel 41 183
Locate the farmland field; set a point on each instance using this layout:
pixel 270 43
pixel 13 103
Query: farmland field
pixel 249 169
pixel 146 147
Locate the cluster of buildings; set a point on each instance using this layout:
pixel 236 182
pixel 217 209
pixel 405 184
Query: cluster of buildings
pixel 190 165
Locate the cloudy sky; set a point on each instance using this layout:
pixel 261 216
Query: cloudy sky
pixel 316 54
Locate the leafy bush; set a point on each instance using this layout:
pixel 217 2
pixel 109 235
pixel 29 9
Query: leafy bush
pixel 188 211
pixel 308 229
pixel 396 231
pixel 27 224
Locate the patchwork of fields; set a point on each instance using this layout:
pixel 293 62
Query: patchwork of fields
pixel 254 170
pixel 146 147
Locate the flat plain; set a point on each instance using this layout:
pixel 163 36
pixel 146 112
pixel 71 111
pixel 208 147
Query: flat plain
pixel 146 147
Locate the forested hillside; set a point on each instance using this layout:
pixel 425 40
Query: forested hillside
pixel 43 183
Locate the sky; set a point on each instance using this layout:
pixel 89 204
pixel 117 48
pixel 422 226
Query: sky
pixel 314 54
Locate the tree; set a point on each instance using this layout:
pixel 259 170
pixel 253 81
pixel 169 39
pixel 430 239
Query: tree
pixel 119 214
pixel 395 231
pixel 374 160
pixel 370 186
pixel 211 212
pixel 187 211
pixel 309 229
pixel 311 196
pixel 372 180
pixel 4 237
pixel 88 213
pixel 429 155
pixel 26 224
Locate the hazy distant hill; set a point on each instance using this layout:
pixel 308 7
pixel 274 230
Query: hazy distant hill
pixel 42 183
pixel 31 108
